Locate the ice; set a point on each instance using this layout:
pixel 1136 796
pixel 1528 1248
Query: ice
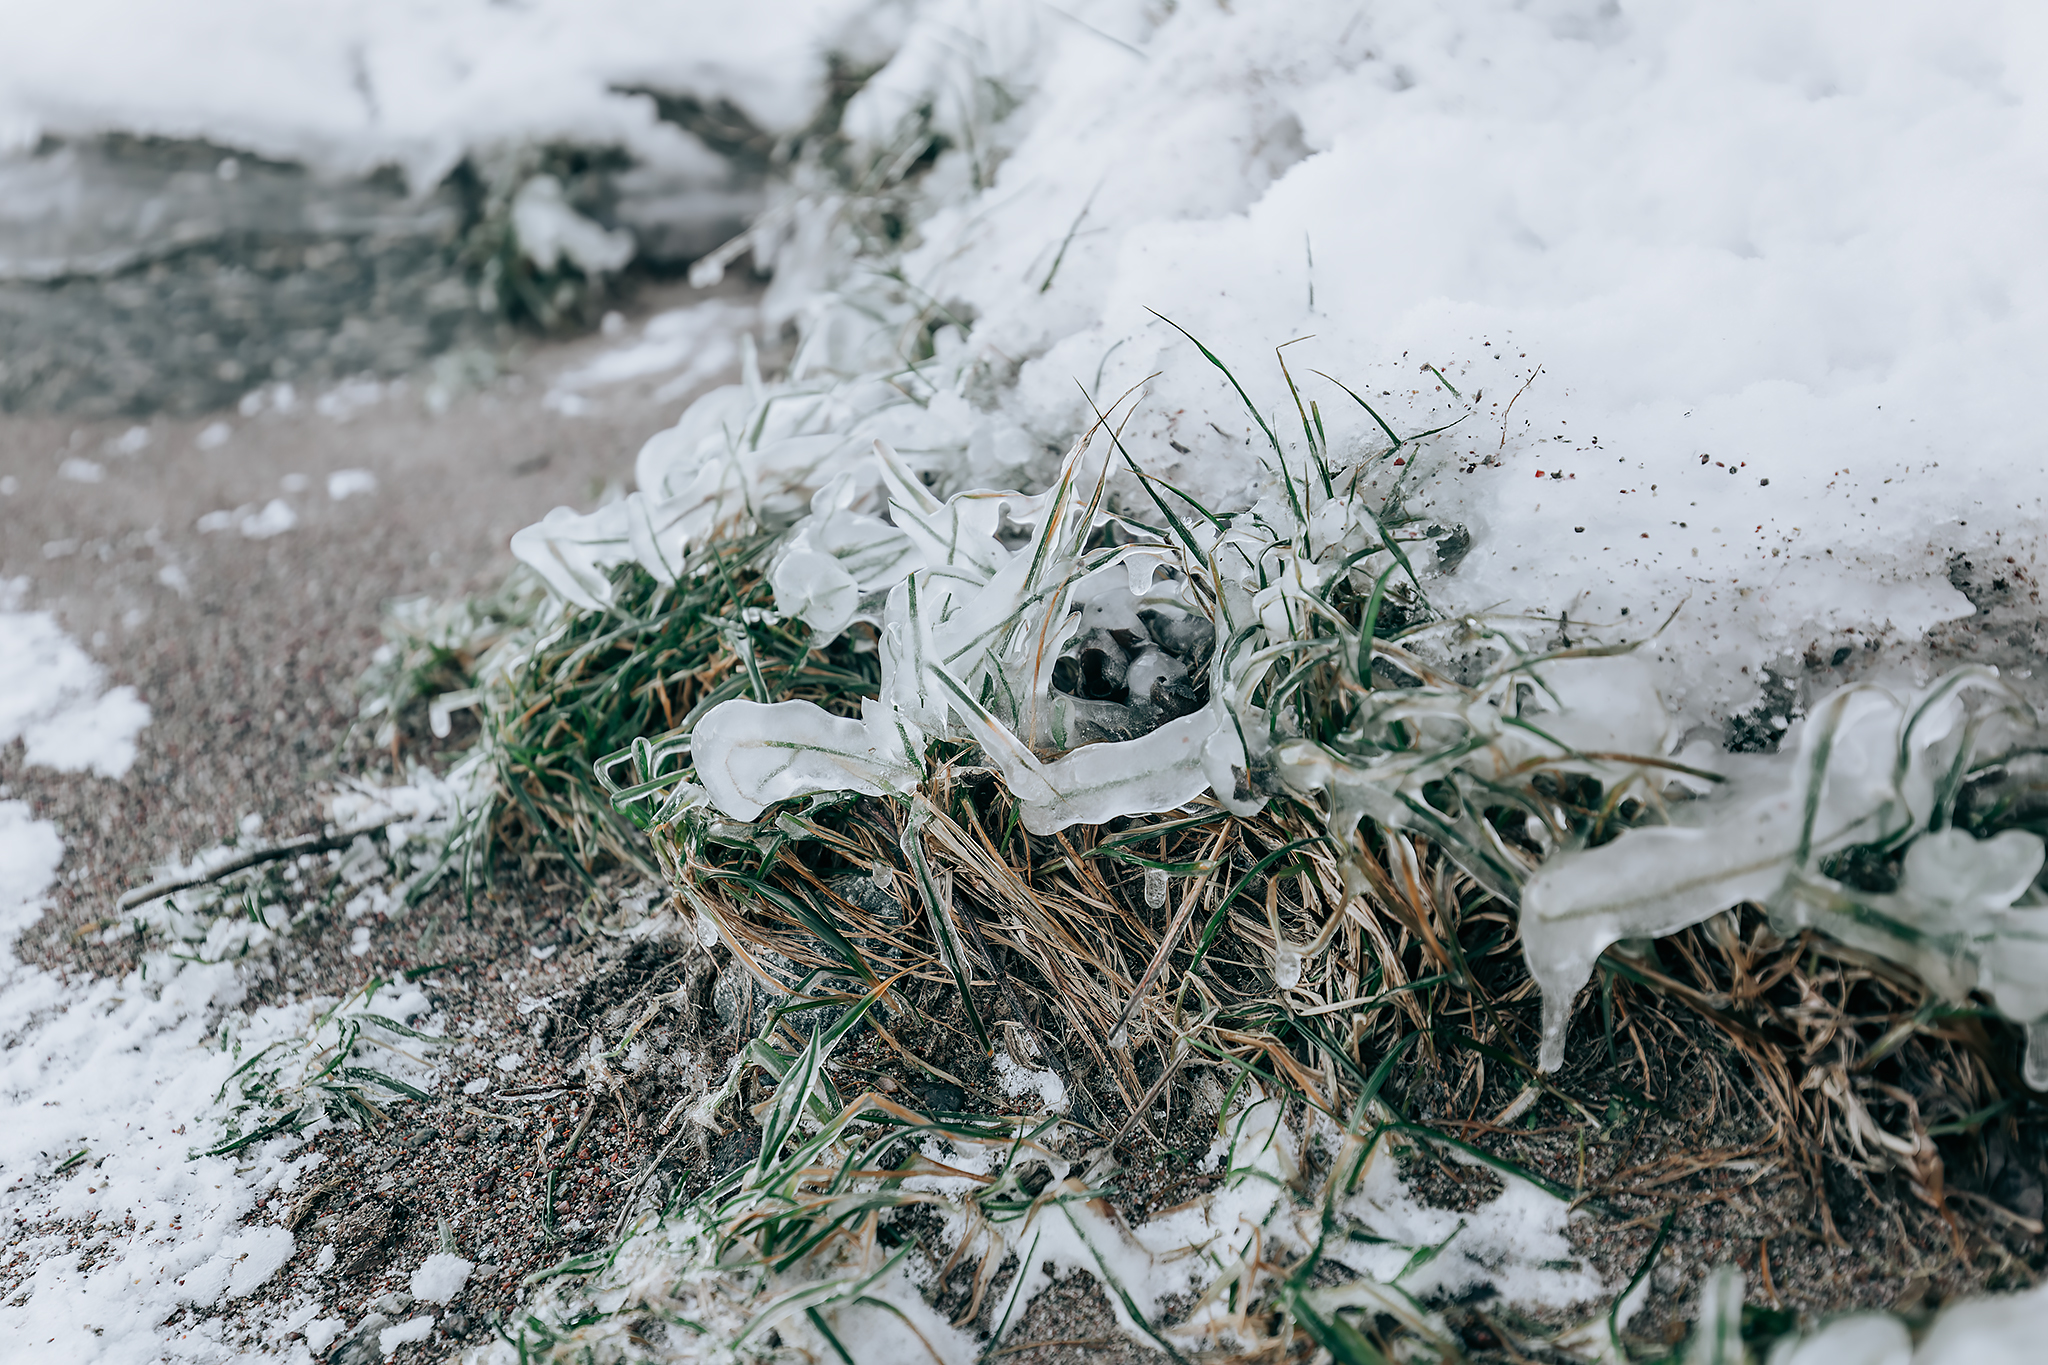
pixel 1863 768
pixel 749 755
pixel 1155 888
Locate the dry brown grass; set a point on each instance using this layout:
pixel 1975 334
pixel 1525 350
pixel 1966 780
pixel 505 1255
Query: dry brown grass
pixel 1790 1098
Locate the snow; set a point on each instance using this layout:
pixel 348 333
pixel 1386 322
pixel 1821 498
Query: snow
pixel 1736 307
pixel 684 345
pixel 1018 1080
pixel 110 1083
pixel 412 1329
pixel 275 519
pixel 351 86
pixel 550 232
pixel 441 1277
pixel 1721 230
pixel 53 697
pixel 1992 1331
pixel 321 1332
pixel 343 484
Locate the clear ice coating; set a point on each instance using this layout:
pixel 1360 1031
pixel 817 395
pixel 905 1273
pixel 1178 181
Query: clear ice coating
pixel 1155 888
pixel 1866 768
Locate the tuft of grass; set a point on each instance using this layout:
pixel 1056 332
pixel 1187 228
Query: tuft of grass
pixel 595 682
pixel 1406 1016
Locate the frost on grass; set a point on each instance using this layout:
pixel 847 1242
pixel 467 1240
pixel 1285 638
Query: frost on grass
pixel 1083 661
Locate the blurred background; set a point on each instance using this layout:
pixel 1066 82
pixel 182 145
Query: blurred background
pixel 200 199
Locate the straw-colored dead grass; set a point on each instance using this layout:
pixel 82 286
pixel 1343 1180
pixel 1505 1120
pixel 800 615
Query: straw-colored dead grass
pixel 1806 1094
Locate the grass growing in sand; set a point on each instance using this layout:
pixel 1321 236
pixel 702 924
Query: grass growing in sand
pixel 1347 950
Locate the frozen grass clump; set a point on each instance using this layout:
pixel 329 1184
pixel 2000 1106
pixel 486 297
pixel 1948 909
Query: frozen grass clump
pixel 1849 831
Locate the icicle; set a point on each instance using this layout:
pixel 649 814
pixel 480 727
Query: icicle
pixel 1155 888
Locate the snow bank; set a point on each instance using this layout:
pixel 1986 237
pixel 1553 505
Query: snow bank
pixel 1694 282
pixel 1775 266
pixel 347 87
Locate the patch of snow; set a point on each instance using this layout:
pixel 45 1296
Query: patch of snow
pixel 411 1330
pixel 111 1084
pixel 379 82
pixel 550 232
pixel 441 1277
pixel 81 471
pixel 1017 1079
pixel 214 435
pixel 321 1332
pixel 511 1062
pixel 110 1069
pixel 275 519
pixel 690 345
pixel 347 483
pixel 350 397
pixel 53 697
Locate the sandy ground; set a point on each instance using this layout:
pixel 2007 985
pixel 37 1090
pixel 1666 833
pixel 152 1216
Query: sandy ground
pixel 247 651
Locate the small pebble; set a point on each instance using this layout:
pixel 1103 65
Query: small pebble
pixel 466 1133
pixel 422 1137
